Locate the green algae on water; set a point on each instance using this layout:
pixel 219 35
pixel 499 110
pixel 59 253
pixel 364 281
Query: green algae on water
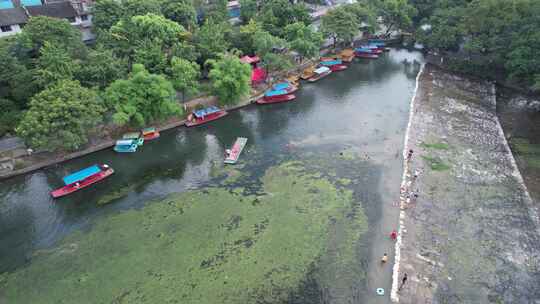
pixel 205 246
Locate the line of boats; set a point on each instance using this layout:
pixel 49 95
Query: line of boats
pixel 279 92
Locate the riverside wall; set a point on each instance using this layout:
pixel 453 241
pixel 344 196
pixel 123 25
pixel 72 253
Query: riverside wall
pixel 472 235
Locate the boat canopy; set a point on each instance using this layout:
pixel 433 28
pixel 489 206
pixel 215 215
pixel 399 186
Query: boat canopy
pixel 132 135
pixel 124 142
pixel 281 86
pixel 275 93
pixel 149 130
pixel 207 111
pixel 250 60
pixel 80 175
pixel 322 70
pixel 331 62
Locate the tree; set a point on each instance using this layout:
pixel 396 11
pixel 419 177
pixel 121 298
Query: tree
pixel 303 39
pixel 181 11
pixel 61 117
pixel 248 10
pixel 185 76
pixel 247 35
pixel 397 13
pixel 142 98
pixel 444 31
pixel 340 24
pixel 141 7
pixel 217 11
pixel 9 116
pixel 16 80
pixel 146 39
pixel 277 14
pixel 266 45
pixel 105 14
pixel 210 40
pixel 230 78
pixel 100 68
pixel 57 32
pixel 54 64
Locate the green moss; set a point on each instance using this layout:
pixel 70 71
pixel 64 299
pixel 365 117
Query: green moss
pixel 115 195
pixel 435 163
pixel 437 146
pixel 206 246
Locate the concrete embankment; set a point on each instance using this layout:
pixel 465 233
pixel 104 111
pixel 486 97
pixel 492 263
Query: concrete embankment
pixel 472 234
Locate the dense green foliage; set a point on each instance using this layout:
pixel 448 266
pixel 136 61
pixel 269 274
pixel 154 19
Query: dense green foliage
pixel 142 98
pixel 230 78
pixel 340 24
pixel 210 40
pixel 303 39
pixel 46 126
pixel 486 36
pixel 185 76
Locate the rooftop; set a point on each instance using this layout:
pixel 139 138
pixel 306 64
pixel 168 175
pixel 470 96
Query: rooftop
pixel 55 10
pixel 11 16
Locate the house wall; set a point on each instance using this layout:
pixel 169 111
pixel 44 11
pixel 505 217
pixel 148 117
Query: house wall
pixel 14 30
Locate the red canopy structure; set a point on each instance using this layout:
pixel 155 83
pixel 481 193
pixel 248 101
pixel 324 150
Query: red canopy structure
pixel 250 60
pixel 258 75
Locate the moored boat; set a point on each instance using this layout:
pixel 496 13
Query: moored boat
pixel 367 55
pixel 285 85
pixel 276 96
pixel 308 73
pixel 335 65
pixel 347 55
pixel 294 80
pixel 320 73
pixel 232 155
pixel 125 146
pixel 150 133
pixel 200 117
pixel 135 136
pixel 82 179
pixel 374 48
pixel 368 50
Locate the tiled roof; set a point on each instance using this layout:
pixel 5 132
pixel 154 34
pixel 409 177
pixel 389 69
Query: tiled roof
pixel 56 10
pixel 12 16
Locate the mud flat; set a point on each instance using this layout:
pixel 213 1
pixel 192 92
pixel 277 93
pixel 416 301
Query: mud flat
pixel 472 235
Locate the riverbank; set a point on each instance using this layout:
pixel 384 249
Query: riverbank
pixel 472 235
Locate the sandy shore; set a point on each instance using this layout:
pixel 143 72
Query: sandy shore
pixel 472 235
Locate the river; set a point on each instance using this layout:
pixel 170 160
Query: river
pixel 363 111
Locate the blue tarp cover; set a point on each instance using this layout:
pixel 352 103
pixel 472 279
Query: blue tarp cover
pixel 80 175
pixel 280 86
pixel 6 4
pixel 331 62
pixel 275 93
pixel 30 2
pixel 207 111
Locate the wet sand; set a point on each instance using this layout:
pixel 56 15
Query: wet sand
pixel 472 236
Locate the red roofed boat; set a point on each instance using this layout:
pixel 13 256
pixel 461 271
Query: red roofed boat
pixel 150 133
pixel 83 179
pixel 205 115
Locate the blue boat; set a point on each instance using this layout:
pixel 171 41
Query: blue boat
pixel 331 62
pixel 272 93
pixel 80 175
pixel 377 42
pixel 125 146
pixel 281 86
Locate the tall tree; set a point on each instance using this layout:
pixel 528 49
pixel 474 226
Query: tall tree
pixel 106 13
pixel 147 39
pixel 142 98
pixel 185 76
pixel 57 32
pixel 100 68
pixel 303 39
pixel 267 46
pixel 210 40
pixel 397 14
pixel 16 80
pixel 54 64
pixel 248 10
pixel 277 14
pixel 181 11
pixel 230 78
pixel 340 24
pixel 61 117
